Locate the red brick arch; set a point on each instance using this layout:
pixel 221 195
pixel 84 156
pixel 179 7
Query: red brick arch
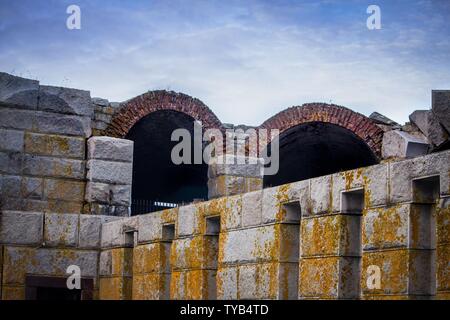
pixel 137 108
pixel 359 124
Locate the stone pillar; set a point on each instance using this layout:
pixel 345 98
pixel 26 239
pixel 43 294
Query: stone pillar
pixel 110 171
pixel 116 259
pixel 151 258
pixel 236 169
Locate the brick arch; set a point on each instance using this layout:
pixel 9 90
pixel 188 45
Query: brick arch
pixel 359 124
pixel 135 109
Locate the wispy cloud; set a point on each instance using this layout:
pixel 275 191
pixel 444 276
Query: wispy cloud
pixel 246 60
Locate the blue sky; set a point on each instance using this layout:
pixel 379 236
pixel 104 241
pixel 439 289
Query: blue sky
pixel 246 60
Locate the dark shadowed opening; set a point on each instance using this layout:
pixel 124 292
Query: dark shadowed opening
pixel 315 149
pixel 157 181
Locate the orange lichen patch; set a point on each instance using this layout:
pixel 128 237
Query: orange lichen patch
pixel 196 284
pixel 282 196
pixel 386 227
pixel 352 178
pixel 65 190
pixel 266 244
pixel 178 285
pixel 116 288
pixel 13 293
pixel 443 268
pixel 443 224
pixel 394 267
pixel 49 144
pixel 169 215
pixel 187 253
pixel 148 287
pixel 319 277
pixel 148 258
pixel 267 280
pixel 60 206
pixel 442 296
pixel 321 235
pixel 122 261
pixel 253 184
pixel 231 215
pixel 15 264
pixel 367 193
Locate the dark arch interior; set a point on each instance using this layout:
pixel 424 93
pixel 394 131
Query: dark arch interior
pixel 315 149
pixel 155 177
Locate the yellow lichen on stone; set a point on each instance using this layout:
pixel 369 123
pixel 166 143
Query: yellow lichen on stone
pixel 394 267
pixel 319 277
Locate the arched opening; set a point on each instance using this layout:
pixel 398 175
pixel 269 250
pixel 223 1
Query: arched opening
pixel 315 149
pixel 158 183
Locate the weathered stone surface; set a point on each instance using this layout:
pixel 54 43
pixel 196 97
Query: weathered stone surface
pixel 258 281
pixel 321 195
pixel 53 167
pixel 113 235
pixel 443 221
pixel 16 119
pixel 21 228
pixel 227 286
pixel 11 186
pixel 443 267
pixel 54 145
pixel 252 208
pixel 11 140
pixel 325 272
pixel 109 172
pixel 121 195
pixel 150 227
pixel 65 100
pixel 61 230
pixel 107 148
pixel 45 122
pixel 250 245
pixel 225 186
pixel 64 190
pixel 105 264
pixel 381 119
pixel 187 220
pixel 427 122
pixel 394 268
pixel 231 217
pixel 400 144
pixel 100 101
pixel 103 117
pixel 330 235
pixel 386 228
pixel 441 107
pixel 47 261
pixel 19 91
pixel 32 188
pixel 90 228
pixel 11 163
pixel 403 172
pixel 97 192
